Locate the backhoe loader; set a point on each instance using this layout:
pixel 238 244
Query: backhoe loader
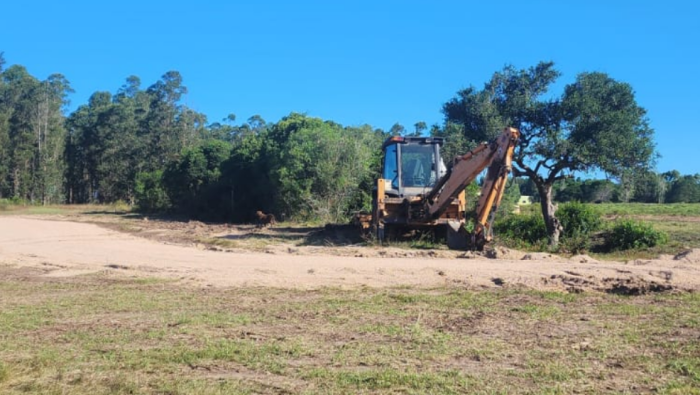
pixel 417 191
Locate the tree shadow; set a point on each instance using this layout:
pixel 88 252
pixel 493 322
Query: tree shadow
pixel 263 236
pixel 334 235
pixel 329 235
pixel 144 216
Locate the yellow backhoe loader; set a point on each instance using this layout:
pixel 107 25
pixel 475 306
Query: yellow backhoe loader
pixel 417 191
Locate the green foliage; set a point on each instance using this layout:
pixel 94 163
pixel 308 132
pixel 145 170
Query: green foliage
pixel 456 143
pixel 586 191
pixel 510 198
pixel 579 219
pixel 246 176
pixel 596 123
pixel 191 181
pixel 114 137
pixel 317 167
pixel 527 229
pixel 6 204
pixel 472 192
pixel 649 187
pixel 579 222
pixel 685 189
pixel 135 144
pixel 150 193
pixel 32 135
pixel 631 234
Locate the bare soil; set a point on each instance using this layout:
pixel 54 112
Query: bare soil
pixel 308 258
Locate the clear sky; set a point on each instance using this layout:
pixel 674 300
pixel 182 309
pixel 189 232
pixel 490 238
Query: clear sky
pixel 375 62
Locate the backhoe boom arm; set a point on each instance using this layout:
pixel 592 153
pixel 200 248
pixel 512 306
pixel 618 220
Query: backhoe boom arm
pixel 497 155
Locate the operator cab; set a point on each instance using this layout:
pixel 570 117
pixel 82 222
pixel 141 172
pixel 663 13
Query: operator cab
pixel 412 165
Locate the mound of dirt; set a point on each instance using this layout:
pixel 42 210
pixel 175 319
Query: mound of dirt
pixel 631 285
pixel 690 256
pixel 540 256
pixel 583 259
pixel 504 253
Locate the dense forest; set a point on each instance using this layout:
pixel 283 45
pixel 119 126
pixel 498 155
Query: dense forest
pixel 145 148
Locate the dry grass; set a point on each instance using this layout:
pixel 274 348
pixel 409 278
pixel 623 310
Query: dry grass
pixel 104 335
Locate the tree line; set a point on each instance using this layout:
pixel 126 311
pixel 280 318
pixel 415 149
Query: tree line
pixel 144 147
pixel 646 187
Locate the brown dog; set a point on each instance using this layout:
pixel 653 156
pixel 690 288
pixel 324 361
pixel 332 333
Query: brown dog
pixel 265 219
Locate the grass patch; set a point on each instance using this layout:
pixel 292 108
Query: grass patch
pixel 4 372
pixel 106 336
pixel 650 209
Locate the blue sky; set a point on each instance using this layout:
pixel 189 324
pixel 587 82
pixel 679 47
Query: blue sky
pixel 356 62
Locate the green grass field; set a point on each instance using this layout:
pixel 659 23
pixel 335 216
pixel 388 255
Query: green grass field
pixel 101 335
pixel 680 221
pixel 650 209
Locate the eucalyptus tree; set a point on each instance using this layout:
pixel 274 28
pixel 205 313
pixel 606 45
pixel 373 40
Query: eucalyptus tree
pixel 31 134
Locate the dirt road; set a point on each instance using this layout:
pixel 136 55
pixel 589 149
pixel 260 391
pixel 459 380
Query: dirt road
pixel 63 248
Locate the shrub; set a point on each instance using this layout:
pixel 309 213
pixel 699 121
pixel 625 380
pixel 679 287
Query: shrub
pixel 578 219
pixel 150 193
pixel 526 228
pixel 575 244
pixel 630 234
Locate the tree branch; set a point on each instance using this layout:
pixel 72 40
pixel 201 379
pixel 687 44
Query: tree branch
pixel 540 164
pixel 517 172
pixel 558 167
pixel 527 171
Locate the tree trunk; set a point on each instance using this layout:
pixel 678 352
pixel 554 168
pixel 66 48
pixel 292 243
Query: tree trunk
pixel 551 222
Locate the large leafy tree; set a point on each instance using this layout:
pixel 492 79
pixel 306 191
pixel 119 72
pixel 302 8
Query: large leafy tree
pixel 595 125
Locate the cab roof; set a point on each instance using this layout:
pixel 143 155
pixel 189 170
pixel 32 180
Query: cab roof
pixel 412 139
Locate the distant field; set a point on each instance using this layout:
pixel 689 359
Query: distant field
pixel 637 209
pixel 102 335
pixel 680 220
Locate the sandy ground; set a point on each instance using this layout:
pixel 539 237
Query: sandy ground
pixel 63 248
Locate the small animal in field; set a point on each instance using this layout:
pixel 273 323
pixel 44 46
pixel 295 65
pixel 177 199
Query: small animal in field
pixel 265 219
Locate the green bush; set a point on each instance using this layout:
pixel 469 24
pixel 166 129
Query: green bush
pixel 630 234
pixel 7 204
pixel 529 229
pixel 579 222
pixel 150 193
pixel 578 219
